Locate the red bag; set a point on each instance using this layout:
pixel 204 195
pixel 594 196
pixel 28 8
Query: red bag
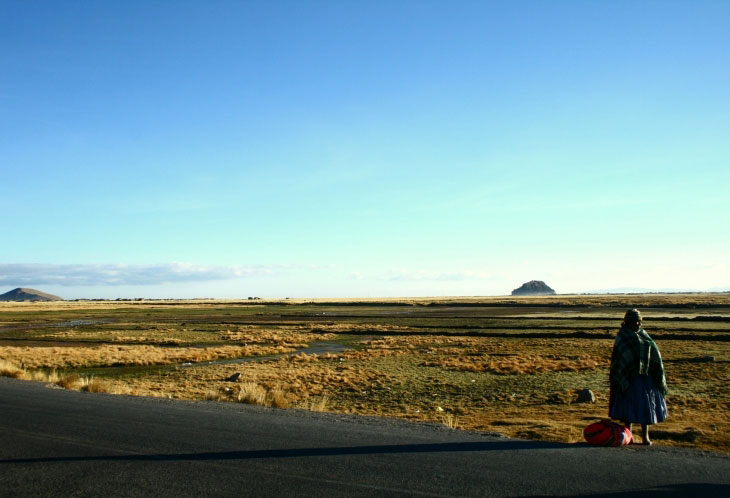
pixel 607 433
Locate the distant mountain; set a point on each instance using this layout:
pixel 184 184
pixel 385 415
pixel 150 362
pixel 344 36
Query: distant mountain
pixel 533 288
pixel 25 294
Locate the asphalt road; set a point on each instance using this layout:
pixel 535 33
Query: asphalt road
pixel 64 443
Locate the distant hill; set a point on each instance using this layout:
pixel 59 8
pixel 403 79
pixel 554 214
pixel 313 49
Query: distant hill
pixel 25 294
pixel 533 288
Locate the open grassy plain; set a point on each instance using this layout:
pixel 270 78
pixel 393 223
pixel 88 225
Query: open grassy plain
pixel 500 364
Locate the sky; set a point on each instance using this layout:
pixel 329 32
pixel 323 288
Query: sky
pixel 363 149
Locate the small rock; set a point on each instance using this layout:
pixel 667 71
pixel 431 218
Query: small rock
pixel 234 377
pixel 585 396
pixel 439 409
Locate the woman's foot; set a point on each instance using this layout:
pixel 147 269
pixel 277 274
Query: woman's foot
pixel 645 435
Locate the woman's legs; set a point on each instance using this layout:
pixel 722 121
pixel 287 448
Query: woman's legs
pixel 645 434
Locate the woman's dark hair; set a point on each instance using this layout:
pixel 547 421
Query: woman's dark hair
pixel 631 316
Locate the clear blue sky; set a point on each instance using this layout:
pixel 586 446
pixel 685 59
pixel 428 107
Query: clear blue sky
pixel 342 148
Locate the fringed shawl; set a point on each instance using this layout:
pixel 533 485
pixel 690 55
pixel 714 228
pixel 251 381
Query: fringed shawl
pixel 635 353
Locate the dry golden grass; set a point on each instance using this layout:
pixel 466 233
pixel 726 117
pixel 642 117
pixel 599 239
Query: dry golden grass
pixel 254 394
pixel 519 386
pixel 450 420
pixel 96 385
pixel 316 404
pixel 10 369
pixel 42 376
pixel 277 398
pixel 303 381
pixel 293 337
pixel 345 328
pixel 161 337
pixel 213 395
pixel 70 381
pixel 394 379
pixel 108 355
pixel 412 377
pixel 527 364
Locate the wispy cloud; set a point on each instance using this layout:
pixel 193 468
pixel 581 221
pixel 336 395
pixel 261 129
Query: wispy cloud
pixel 70 275
pixel 424 275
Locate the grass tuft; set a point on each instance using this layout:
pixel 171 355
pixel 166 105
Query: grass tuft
pixel 253 394
pixel 70 381
pixel 317 404
pixel 212 395
pixel 450 421
pixel 95 385
pixel 10 369
pixel 43 376
pixel 277 398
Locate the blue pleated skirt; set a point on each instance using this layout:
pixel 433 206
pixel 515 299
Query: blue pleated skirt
pixel 641 403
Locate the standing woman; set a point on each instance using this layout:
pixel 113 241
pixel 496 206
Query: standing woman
pixel 637 378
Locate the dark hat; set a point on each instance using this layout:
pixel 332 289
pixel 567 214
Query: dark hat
pixel 632 316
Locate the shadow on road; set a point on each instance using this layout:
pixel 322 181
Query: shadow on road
pixel 704 490
pixel 310 452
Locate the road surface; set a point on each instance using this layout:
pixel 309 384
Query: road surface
pixel 55 442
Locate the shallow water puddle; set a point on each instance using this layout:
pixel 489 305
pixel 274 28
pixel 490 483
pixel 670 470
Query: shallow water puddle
pixel 319 347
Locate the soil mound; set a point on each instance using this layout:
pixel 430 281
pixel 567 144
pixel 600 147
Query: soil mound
pixel 25 294
pixel 533 288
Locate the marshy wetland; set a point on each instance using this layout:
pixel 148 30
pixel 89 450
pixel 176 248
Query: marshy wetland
pixel 507 365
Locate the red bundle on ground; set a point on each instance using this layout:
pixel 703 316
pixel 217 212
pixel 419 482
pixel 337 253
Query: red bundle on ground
pixel 607 433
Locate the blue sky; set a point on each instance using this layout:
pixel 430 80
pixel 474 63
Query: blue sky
pixel 341 149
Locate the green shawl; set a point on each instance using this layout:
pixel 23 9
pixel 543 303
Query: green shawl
pixel 635 353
